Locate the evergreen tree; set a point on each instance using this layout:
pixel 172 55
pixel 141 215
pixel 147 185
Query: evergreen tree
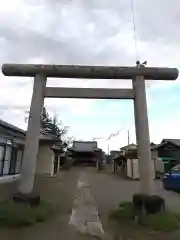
pixel 51 126
pixel 46 121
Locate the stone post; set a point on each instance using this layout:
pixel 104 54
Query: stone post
pixel 59 161
pixel 142 135
pixel 52 165
pixel 113 166
pixel 97 164
pixel 32 137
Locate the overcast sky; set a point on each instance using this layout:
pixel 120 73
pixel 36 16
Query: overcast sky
pixel 94 32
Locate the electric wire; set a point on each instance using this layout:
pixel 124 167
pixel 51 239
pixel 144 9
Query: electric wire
pixel 134 30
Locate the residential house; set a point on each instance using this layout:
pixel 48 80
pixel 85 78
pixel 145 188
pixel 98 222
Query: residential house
pixel 164 156
pixel 129 149
pixel 12 141
pixel 49 154
pixel 169 152
pixel 114 153
pixel 128 162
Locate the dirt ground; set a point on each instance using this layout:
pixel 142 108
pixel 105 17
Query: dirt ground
pixel 59 190
pixel 107 189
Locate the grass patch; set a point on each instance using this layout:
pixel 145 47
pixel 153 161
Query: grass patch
pixel 20 215
pixel 166 221
pixel 124 212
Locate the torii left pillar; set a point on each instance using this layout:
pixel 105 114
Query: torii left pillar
pixel 32 137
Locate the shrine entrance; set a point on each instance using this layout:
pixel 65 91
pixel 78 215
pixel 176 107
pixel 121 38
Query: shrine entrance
pixel 138 74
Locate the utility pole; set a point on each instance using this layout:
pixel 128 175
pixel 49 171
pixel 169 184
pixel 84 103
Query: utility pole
pixel 108 149
pixel 128 137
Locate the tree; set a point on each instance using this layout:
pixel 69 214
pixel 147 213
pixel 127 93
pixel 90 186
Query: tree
pixel 46 121
pixel 60 132
pixel 52 127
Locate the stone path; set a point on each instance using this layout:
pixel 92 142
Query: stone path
pixel 84 215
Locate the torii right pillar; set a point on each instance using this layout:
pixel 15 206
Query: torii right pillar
pixel 142 136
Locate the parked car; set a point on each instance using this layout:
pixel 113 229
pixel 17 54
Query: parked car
pixel 171 180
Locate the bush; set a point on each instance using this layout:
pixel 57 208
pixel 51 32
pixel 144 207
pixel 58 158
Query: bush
pixel 166 221
pixel 163 221
pixel 20 215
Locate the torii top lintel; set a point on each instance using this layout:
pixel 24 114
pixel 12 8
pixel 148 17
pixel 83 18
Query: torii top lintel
pixel 90 72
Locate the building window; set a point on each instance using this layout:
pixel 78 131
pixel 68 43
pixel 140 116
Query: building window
pixel 13 160
pixel 7 159
pixel 18 161
pixel 1 158
pixel 10 157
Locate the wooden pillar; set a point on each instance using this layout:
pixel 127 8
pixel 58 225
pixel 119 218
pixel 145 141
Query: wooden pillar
pixel 32 137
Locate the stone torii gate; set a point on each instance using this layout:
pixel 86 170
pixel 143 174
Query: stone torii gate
pixel 40 91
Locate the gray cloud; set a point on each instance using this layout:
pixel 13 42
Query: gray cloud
pixel 158 21
pixel 84 32
pixel 155 20
pixel 74 31
pixel 69 33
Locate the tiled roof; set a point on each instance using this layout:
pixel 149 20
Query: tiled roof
pixel 11 127
pixel 130 146
pixel 14 131
pixel 84 146
pixel 174 141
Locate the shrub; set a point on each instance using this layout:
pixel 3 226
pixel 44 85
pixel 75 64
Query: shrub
pixel 162 221
pixel 125 211
pixel 19 215
pixel 166 221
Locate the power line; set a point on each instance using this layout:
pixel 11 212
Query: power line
pixel 21 108
pixel 97 138
pixel 114 134
pixel 134 29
